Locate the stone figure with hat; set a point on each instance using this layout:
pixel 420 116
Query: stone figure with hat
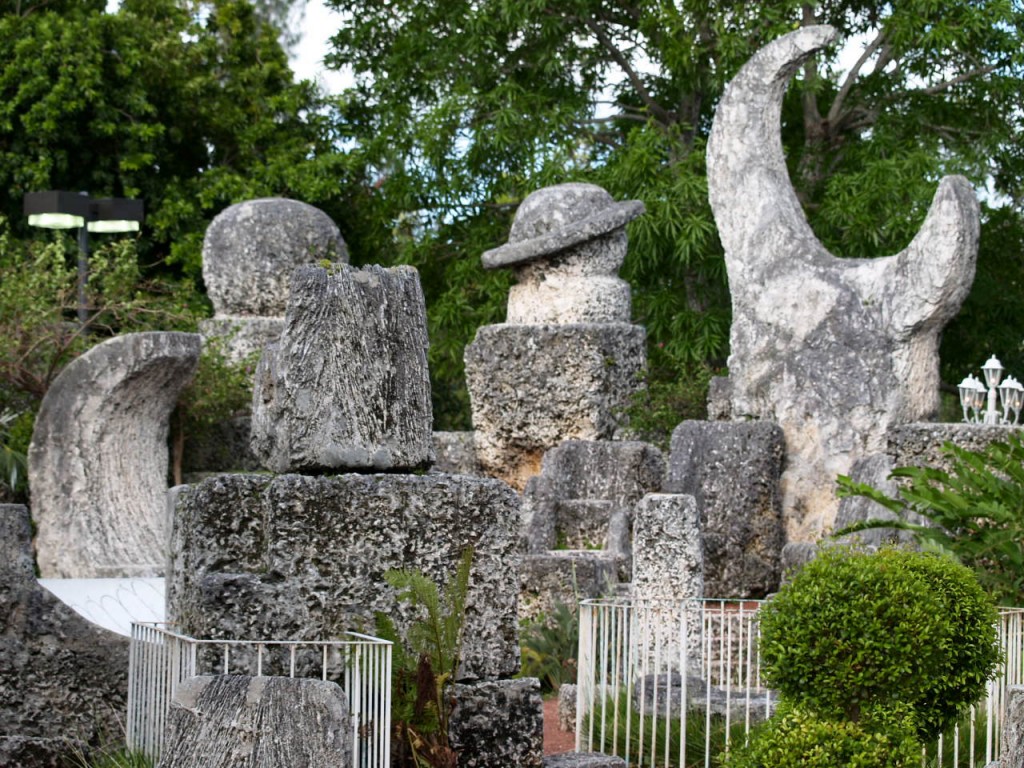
pixel 566 362
pixel 566 246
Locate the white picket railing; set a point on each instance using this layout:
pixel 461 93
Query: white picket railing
pixel 673 683
pixel 160 659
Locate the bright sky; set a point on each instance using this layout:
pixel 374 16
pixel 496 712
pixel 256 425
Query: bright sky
pixel 319 24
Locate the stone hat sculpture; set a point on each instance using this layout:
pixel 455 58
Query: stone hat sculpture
pixel 554 219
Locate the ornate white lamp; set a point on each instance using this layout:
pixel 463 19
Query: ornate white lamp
pixel 974 396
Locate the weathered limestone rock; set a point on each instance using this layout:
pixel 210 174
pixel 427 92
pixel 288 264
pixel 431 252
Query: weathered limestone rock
pixel 497 724
pixel 583 760
pixel 577 473
pixel 873 470
pixel 98 458
pixel 566 245
pixel 249 252
pixel 303 557
pixel 835 350
pixel 455 453
pixel 920 444
pixel 668 569
pixel 347 385
pixel 564 576
pixel 1012 744
pixel 251 249
pixel 259 722
pixel 63 680
pixel 535 386
pixel 668 559
pixel 567 707
pixel 733 470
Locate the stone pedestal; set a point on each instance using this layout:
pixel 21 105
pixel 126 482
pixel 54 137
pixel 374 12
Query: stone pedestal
pixel 564 576
pixel 733 471
pixel 299 557
pixel 534 386
pixel 98 458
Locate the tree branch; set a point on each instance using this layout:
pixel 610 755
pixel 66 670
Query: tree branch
pixel 851 77
pixel 947 84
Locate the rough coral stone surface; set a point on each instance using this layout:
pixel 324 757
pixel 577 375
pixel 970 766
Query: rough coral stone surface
pixel 532 387
pixel 563 576
pixel 732 469
pixel 585 486
pixel 259 722
pixel 300 557
pixel 836 351
pixel 920 444
pixel 63 680
pixel 1012 746
pixel 498 723
pixel 583 760
pixel 347 385
pixel 251 248
pixel 455 453
pixel 668 559
pixel 242 338
pixel 98 458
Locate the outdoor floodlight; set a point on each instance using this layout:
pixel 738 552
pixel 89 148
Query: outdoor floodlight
pixel 56 210
pixel 115 214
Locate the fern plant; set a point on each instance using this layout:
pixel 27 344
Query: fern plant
pixel 424 663
pixel 976 511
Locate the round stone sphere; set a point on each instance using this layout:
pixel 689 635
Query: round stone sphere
pixel 251 248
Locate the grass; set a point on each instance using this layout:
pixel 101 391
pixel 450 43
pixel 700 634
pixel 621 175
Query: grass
pixel 697 742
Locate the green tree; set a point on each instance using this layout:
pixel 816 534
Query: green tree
pixel 462 108
pixel 189 110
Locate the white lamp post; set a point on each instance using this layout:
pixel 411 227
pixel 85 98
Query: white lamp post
pixel 974 396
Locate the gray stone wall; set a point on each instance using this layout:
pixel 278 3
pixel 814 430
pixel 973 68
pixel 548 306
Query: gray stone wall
pixel 63 680
pixel 293 556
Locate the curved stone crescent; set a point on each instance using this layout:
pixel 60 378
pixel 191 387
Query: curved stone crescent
pixel 834 350
pixel 98 458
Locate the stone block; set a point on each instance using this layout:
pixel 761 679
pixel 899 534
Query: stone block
pixel 564 576
pixel 567 707
pixel 583 760
pixel 98 458
pixel 920 443
pixel 497 724
pixel 251 248
pixel 455 453
pixel 301 557
pixel 836 351
pixel 63 680
pixel 258 722
pixel 1012 744
pixel 532 387
pixel 732 469
pixel 668 558
pixel 347 386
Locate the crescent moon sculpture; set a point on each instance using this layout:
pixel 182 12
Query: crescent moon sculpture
pixel 97 464
pixel 835 350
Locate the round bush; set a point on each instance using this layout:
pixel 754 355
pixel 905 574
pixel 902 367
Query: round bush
pixel 797 738
pixel 857 631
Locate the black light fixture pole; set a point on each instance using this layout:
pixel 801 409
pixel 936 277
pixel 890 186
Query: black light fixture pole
pixel 55 209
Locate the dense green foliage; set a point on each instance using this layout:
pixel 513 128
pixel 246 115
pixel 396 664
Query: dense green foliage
pixel 857 634
pixel 462 108
pixel 549 646
pixel 975 507
pixel 424 663
pixel 189 110
pixel 799 738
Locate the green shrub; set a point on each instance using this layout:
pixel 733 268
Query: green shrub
pixel 976 511
pixel 798 738
pixel 548 648
pixel 856 632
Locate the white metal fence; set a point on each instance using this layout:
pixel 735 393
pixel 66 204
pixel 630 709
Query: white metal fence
pixel 677 683
pixel 160 659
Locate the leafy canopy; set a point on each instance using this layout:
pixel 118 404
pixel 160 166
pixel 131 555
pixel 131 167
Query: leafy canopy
pixel 462 108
